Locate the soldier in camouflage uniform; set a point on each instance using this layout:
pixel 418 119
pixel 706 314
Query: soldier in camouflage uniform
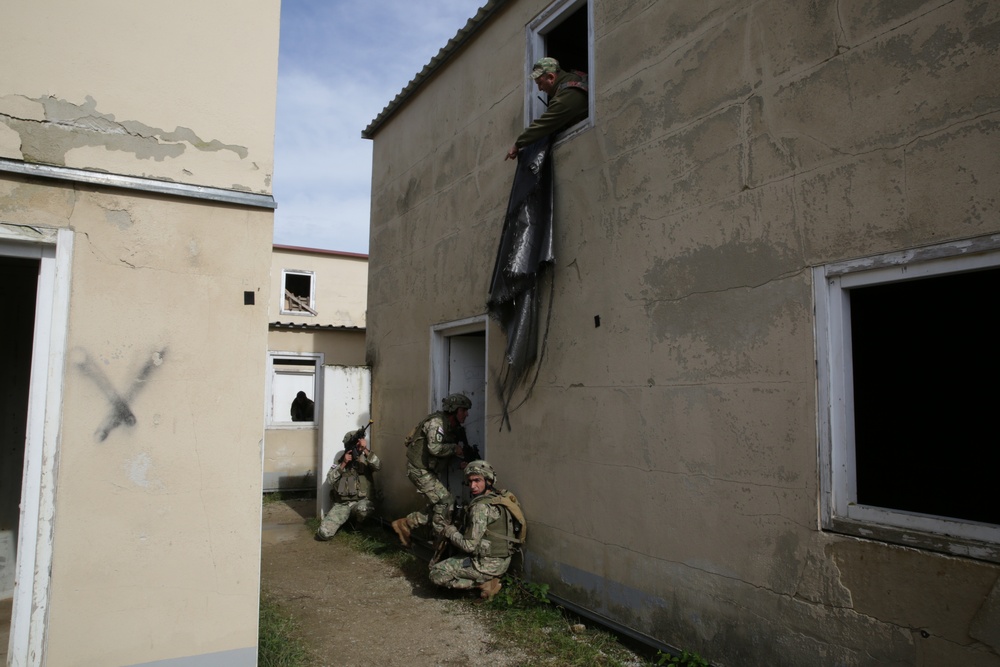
pixel 429 447
pixel 352 485
pixel 488 540
pixel 567 105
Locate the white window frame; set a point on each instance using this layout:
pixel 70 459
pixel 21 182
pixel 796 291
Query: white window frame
pixel 317 394
pixel 312 292
pixel 840 511
pixel 536 30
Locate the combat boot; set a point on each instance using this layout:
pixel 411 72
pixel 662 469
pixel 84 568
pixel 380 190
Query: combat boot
pixel 402 528
pixel 488 589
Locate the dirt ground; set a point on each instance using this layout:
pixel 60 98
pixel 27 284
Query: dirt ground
pixel 355 610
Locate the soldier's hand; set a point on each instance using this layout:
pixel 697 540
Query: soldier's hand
pixel 458 450
pixel 512 153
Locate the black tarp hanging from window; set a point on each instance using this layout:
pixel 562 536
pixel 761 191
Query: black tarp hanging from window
pixel 525 249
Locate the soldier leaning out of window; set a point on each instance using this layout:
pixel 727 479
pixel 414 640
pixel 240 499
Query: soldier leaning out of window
pixel 568 102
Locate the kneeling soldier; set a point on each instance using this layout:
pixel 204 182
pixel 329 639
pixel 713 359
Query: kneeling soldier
pixel 489 538
pixel 350 477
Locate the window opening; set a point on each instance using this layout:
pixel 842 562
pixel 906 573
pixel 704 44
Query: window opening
pixel 906 344
pixel 562 32
pixel 567 42
pixel 298 293
pixel 925 363
pixel 291 376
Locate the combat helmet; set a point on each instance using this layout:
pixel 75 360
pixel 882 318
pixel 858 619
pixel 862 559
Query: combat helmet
pixel 483 468
pixel 452 402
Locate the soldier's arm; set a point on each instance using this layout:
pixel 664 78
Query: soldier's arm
pixel 565 108
pixel 333 476
pixel 471 542
pixel 374 461
pixel 436 439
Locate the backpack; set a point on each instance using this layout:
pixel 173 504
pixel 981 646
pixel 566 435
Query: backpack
pixel 509 501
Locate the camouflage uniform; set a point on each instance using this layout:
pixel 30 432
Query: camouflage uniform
pixel 353 489
pixel 431 446
pixel 487 558
pixel 568 104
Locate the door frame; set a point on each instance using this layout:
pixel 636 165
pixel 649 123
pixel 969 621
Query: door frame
pixel 54 250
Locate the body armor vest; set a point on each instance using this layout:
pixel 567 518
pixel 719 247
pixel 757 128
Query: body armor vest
pixel 353 485
pixel 417 453
pixel 500 531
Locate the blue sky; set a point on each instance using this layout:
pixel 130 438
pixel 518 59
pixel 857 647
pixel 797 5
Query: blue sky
pixel 340 63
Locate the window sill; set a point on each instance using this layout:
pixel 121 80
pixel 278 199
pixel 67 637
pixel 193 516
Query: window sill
pixel 293 426
pixel 945 544
pixel 571 132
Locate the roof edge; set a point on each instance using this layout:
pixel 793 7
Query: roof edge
pixel 472 26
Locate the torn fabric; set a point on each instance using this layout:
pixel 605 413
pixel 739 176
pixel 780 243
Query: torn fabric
pixel 525 250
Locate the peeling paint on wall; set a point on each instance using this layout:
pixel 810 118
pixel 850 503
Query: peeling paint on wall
pixel 49 128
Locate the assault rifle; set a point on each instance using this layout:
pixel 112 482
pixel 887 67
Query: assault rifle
pixel 353 445
pixel 456 519
pixel 470 453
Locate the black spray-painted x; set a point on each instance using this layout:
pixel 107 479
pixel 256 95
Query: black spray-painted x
pixel 121 412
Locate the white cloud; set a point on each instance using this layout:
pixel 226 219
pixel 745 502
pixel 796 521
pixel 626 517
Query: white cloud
pixel 341 62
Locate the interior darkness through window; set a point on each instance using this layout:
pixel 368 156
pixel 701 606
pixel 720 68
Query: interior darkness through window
pixel 926 366
pixel 567 42
pixel 298 284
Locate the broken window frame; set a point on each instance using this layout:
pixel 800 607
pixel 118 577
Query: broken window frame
pixel 306 308
pixel 536 32
pixel 840 510
pixel 278 409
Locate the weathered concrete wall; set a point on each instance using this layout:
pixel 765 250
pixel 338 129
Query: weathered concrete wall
pixel 167 90
pixel 668 459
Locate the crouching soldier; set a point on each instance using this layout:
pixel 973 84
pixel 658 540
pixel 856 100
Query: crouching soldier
pixel 351 479
pixel 494 529
pixel 429 447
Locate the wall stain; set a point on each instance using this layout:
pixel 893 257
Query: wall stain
pixel 120 411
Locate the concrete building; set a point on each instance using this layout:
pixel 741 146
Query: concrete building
pixel 316 323
pixel 136 152
pixel 760 427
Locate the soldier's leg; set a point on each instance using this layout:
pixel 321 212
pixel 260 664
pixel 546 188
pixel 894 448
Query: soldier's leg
pixel 440 499
pixel 457 573
pixel 333 520
pixel 362 510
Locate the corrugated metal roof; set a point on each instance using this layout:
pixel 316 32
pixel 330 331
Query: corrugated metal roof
pixel 454 44
pixel 319 251
pixel 313 327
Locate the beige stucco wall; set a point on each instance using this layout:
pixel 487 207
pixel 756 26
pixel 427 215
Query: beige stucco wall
pixel 143 89
pixel 155 531
pixel 667 460
pixel 341 286
pixel 156 528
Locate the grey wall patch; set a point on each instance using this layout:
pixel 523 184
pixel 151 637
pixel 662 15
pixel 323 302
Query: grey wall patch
pixel 66 126
pixel 240 657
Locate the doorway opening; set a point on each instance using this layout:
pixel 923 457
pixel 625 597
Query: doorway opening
pixel 20 275
pixel 458 365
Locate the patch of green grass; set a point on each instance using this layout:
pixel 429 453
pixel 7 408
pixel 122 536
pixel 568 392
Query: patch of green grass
pixel 522 614
pixel 278 643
